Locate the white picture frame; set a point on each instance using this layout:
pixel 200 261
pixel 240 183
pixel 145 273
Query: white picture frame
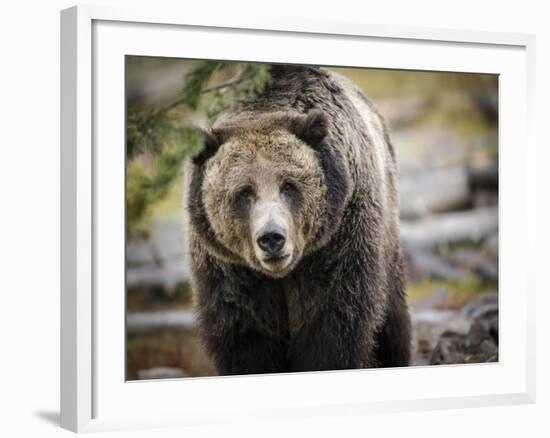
pixel 94 41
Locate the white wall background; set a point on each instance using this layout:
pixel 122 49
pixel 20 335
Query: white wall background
pixel 29 215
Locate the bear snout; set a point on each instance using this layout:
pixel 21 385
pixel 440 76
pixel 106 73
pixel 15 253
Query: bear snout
pixel 272 240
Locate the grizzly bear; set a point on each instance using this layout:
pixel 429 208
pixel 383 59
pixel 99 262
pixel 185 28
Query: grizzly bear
pixel 293 232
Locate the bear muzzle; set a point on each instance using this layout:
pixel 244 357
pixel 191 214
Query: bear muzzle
pixel 271 241
pixel 273 249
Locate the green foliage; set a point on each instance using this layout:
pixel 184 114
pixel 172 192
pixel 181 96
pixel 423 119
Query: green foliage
pixel 159 140
pixel 145 187
pixel 251 82
pixel 198 78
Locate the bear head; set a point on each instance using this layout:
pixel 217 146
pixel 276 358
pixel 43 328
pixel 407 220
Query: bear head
pixel 264 188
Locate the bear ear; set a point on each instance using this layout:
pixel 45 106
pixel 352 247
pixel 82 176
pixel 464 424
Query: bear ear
pixel 212 140
pixel 311 128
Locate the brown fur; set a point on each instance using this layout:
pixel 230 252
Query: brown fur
pixel 261 159
pixel 340 302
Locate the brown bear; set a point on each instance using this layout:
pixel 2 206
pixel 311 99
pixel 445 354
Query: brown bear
pixel 293 232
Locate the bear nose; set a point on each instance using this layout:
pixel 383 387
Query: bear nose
pixel 271 242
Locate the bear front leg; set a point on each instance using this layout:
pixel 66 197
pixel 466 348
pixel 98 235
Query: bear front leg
pixel 393 341
pixel 333 340
pixel 249 352
pixel 242 325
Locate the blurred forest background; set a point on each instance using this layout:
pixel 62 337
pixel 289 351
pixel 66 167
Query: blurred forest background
pixel 444 127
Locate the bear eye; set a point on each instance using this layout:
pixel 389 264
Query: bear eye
pixel 245 194
pixel 288 188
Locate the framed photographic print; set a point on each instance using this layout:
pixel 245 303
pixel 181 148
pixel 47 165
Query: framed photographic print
pixel 256 208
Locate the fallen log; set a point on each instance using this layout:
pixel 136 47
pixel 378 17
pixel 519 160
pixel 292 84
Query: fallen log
pixel 433 191
pixel 168 276
pixel 469 225
pixel 145 322
pixel 444 189
pixel 476 262
pixel 422 262
pixel 159 263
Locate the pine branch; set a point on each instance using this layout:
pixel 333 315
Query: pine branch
pixel 170 139
pixel 182 100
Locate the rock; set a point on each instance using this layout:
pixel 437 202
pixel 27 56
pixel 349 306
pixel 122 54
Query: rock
pixel 454 348
pixel 161 373
pixel 482 304
pixel 428 326
pixel 479 344
pixel 442 335
pixel 448 349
